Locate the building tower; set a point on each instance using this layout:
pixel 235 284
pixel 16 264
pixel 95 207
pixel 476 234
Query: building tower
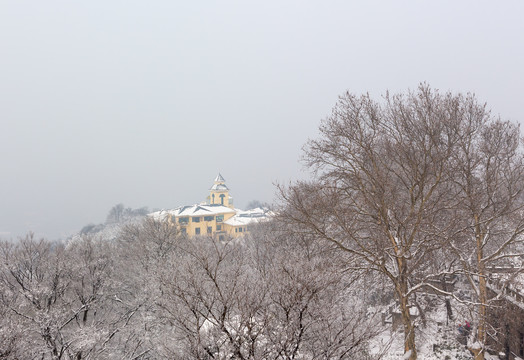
pixel 219 193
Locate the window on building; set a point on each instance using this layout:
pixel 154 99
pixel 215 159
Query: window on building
pixel 209 218
pixel 219 227
pixel 221 238
pixel 239 229
pixel 183 220
pixel 209 229
pixel 183 231
pixel 236 229
pixel 220 218
pixel 197 231
pixel 195 219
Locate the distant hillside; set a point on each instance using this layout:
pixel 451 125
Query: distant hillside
pixel 117 217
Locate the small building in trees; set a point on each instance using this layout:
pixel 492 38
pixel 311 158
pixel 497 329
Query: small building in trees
pixel 215 217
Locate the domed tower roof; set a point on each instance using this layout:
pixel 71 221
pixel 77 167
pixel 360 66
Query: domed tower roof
pixel 219 193
pixel 219 184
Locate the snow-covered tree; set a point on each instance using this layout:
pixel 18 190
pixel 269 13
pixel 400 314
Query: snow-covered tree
pixel 385 192
pixel 154 293
pixel 265 297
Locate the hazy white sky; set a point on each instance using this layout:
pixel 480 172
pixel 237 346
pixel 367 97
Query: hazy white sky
pixel 144 102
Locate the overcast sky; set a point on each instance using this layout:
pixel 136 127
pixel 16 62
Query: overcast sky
pixel 144 102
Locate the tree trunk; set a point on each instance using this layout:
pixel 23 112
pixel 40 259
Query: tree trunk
pixel 483 300
pixel 409 329
pixel 483 294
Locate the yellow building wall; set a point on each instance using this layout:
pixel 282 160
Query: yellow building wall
pixel 217 200
pixel 190 224
pixel 236 231
pixel 190 227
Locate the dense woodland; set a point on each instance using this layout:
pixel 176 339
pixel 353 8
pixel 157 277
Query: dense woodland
pixel 406 194
pixel 154 294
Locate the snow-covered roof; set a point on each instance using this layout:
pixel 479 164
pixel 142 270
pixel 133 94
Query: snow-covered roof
pixel 193 210
pixel 160 215
pixel 219 178
pixel 219 187
pixel 241 217
pixel 256 212
pixel 203 210
pixel 238 221
pixel 249 217
pixel 219 184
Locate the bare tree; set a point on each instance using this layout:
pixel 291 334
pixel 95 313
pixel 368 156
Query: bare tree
pixel 314 308
pixel 383 194
pixel 35 273
pixel 209 298
pixel 141 254
pixel 269 296
pixel 116 214
pixel 56 297
pixel 90 291
pixel 489 173
pixel 12 332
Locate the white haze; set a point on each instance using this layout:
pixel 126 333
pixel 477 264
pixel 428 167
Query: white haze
pixel 144 102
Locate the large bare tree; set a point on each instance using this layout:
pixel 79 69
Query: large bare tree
pixel 384 193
